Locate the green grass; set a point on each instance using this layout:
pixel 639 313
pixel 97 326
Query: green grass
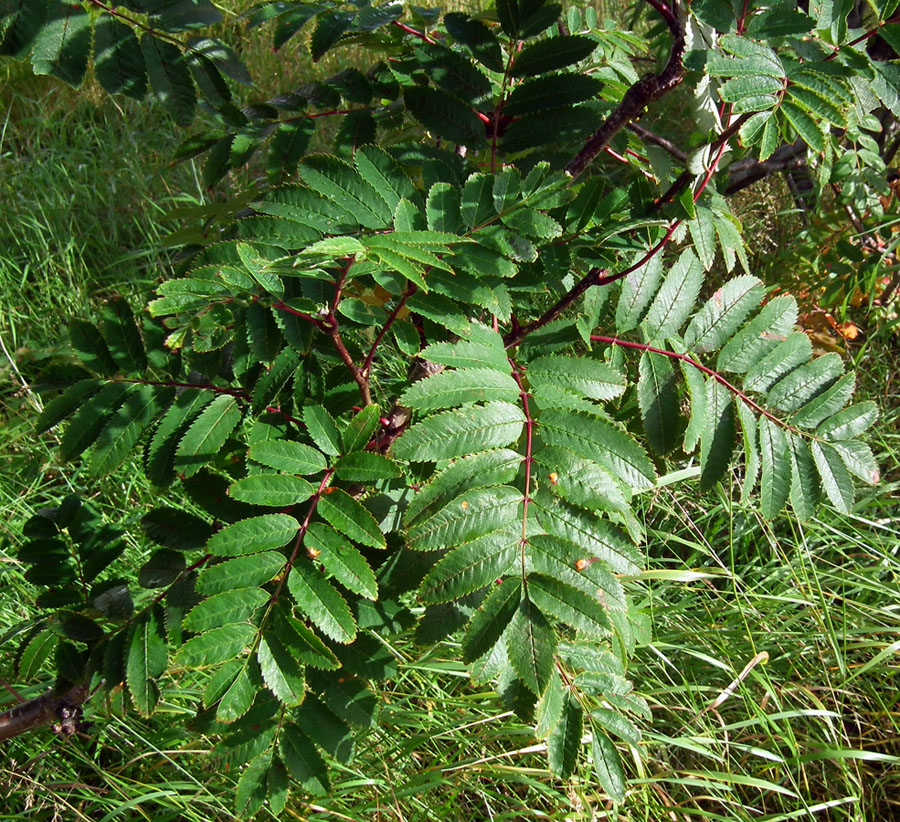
pixel 810 731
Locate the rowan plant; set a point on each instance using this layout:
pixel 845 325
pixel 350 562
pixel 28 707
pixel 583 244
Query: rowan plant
pixel 431 372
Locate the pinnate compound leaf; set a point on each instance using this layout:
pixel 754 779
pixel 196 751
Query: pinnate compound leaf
pixel 836 481
pixel 344 562
pixel 723 313
pixel 469 516
pixel 283 675
pixel 457 433
pixel 238 605
pixel 658 400
pixel 321 602
pixel 349 517
pixel 490 620
pixel 564 742
pixel 277 490
pixel 240 572
pixel 216 645
pixel 471 566
pixel 290 457
pixel 775 480
pixel 452 388
pixel 248 536
pixel 530 645
pixel 207 434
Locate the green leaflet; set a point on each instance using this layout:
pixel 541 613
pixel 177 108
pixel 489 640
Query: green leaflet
pixel 566 562
pixel 63 45
pixel 595 536
pixel 805 383
pixel 283 675
pixel 122 337
pixel 531 644
pixel 858 458
pixel 451 388
pixel 564 741
pixel 344 562
pixel 277 490
pixel 483 348
pixel 600 441
pixel 675 299
pixel 170 78
pixel 321 602
pixel 836 481
pixel 365 466
pixel 658 400
pixel 146 660
pixel 323 429
pixel 159 462
pixel 849 423
pixel 457 433
pixel 749 431
pixel 759 336
pixel 552 54
pixel 361 428
pixel 240 572
pixel 471 566
pixel 794 350
pixel 303 761
pixel 587 377
pixel 91 348
pixel 117 439
pixel 550 707
pixel 248 536
pixel 608 767
pixel 491 619
pixel 207 434
pixel 328 731
pixel 717 439
pixel 476 471
pixel 556 91
pixel 638 289
pixel 570 605
pixel 89 421
pixel 472 514
pixel 118 62
pixel 251 790
pixel 445 115
pixel 723 313
pixel 349 517
pixel 175 529
pixel 827 403
pixel 804 479
pixel 775 480
pixel 216 645
pixel 289 457
pixel 696 385
pixel 237 605
pixel 60 407
pixel 341 183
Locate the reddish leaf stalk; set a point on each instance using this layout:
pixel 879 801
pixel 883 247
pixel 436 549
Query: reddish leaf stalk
pixel 414 32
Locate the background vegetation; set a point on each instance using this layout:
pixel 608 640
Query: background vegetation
pixel 772 669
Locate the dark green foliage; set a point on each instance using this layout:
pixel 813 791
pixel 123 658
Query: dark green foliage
pixel 537 317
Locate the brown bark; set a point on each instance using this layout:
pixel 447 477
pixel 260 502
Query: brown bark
pixel 63 710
